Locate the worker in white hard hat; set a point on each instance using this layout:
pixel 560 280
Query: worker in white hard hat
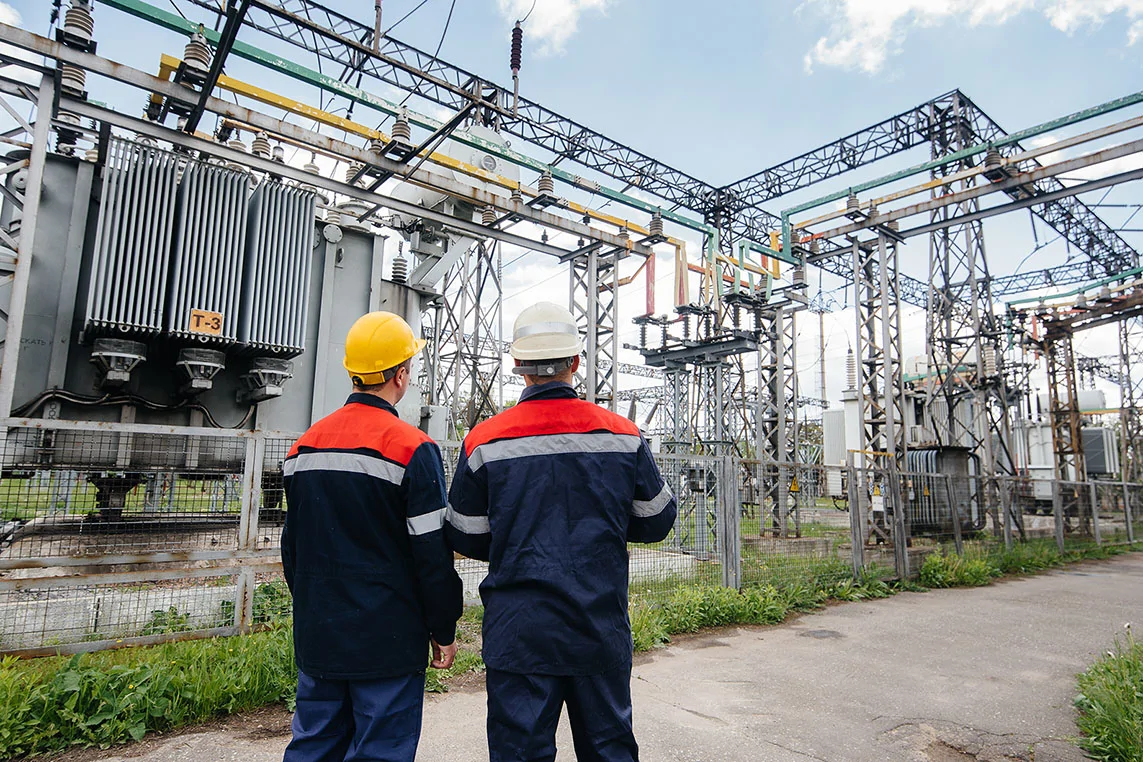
pixel 550 492
pixel 366 559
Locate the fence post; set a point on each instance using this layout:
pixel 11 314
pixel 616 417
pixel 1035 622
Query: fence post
pixel 729 526
pixel 900 525
pixel 1058 513
pixel 1095 513
pixel 250 504
pixel 1005 508
pixel 856 520
pixel 1128 513
pixel 958 540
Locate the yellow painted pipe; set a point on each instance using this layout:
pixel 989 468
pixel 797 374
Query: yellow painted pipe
pixel 169 64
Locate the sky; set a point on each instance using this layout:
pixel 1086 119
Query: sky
pixel 725 88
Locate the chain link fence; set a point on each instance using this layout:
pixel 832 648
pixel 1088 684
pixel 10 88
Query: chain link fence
pixel 116 534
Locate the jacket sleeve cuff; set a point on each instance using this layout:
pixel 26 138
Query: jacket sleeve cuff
pixel 444 637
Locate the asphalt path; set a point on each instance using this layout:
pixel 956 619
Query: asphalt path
pixel 967 674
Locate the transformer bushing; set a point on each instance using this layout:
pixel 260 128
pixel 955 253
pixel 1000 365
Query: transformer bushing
pixel 199 366
pixel 115 359
pixel 265 379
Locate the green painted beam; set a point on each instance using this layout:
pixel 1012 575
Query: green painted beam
pixel 1016 137
pixel 1077 291
pixel 175 23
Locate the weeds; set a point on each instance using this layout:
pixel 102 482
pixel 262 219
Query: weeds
pixel 950 570
pixel 110 697
pixel 1111 704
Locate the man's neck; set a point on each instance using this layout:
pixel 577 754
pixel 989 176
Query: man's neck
pixel 540 380
pixel 389 393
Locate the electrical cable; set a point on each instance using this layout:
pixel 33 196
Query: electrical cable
pixel 177 9
pixel 125 399
pixel 410 13
pixel 440 44
pixel 529 13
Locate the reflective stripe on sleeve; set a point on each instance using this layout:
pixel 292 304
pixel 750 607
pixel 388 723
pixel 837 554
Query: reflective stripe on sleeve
pixel 345 462
pixel 552 444
pixel 645 509
pixel 467 524
pixel 426 522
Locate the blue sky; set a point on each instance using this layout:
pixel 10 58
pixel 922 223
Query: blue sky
pixel 723 89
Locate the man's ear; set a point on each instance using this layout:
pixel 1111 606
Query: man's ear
pixel 575 364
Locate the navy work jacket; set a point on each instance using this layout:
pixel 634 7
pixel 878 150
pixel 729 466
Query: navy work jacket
pixel 364 549
pixel 550 492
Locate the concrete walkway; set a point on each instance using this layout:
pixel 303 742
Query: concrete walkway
pixel 985 674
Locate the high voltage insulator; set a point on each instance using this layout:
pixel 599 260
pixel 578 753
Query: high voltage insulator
pixel 196 54
pixel 517 48
pixel 351 171
pixel 852 204
pixel 514 60
pixel 261 145
pixel 78 21
pixel 656 226
pixel 401 129
pixel 488 216
pixel 547 185
pixel 73 79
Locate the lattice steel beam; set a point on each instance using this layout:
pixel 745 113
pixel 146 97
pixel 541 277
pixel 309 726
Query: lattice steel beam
pixel 339 39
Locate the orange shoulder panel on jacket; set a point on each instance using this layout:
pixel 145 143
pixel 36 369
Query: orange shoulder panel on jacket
pixel 554 416
pixel 356 426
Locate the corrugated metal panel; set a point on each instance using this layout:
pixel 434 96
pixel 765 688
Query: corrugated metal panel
pixel 210 243
pixel 276 284
pixel 833 437
pixel 128 278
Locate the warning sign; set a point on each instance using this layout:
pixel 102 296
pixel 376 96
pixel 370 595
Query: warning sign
pixel 202 321
pixel 926 492
pixel 794 485
pixel 876 490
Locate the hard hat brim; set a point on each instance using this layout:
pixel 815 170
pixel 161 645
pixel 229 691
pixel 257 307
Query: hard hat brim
pixel 546 346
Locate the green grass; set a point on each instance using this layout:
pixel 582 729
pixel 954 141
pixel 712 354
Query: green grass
pixel 111 697
pixel 1111 704
pixel 950 570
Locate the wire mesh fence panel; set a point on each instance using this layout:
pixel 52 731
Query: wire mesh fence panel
pixel 1075 515
pixel 690 555
pixel 1109 500
pixel 450 452
pixel 873 497
pixel 794 524
pixel 51 615
pixel 272 603
pixel 272 502
pixel 72 493
pixel 1135 511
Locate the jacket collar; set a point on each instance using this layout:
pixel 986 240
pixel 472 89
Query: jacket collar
pixel 361 398
pixel 553 390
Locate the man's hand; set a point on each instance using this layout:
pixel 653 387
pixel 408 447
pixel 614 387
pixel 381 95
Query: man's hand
pixel 443 656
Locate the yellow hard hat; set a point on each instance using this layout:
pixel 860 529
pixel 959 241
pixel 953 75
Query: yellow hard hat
pixel 378 342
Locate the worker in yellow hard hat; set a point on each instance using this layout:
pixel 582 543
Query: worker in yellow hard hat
pixel 366 559
pixel 550 492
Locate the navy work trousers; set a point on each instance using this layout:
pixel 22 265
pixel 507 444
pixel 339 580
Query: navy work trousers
pixel 524 710
pixel 359 720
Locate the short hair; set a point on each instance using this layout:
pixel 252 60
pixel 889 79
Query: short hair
pixel 388 374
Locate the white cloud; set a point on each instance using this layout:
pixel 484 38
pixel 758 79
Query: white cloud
pixel 552 22
pixel 9 15
pixel 866 32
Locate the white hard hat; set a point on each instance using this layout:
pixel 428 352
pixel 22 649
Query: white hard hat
pixel 545 331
